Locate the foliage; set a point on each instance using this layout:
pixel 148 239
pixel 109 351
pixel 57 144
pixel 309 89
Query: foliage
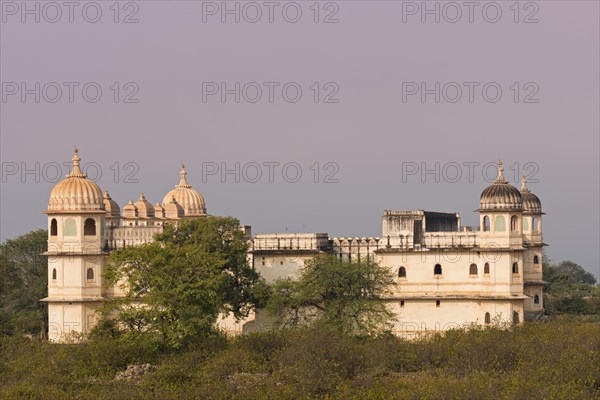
pixel 342 295
pixel 557 359
pixel 570 290
pixel 177 285
pixel 23 282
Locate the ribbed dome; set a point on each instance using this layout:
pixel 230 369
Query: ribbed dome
pixel 500 195
pixel 112 208
pixel 144 208
pixel 190 200
pixel 76 192
pixel 173 210
pixel 531 203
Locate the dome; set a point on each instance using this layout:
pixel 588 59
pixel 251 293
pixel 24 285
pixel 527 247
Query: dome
pixel 531 203
pixel 76 192
pixel 130 210
pixel 500 195
pixel 189 199
pixel 159 211
pixel 112 208
pixel 173 210
pixel 144 207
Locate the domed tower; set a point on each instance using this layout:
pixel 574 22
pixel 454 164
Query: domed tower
pixel 145 210
pixel 532 241
pixel 501 207
pixel 501 241
pixel 190 200
pixel 76 225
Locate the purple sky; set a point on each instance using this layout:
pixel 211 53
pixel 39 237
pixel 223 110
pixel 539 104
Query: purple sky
pixel 369 61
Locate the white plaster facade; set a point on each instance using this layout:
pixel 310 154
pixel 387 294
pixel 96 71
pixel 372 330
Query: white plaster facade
pixel 447 275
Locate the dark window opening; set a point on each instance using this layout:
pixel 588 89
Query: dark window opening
pixel 437 303
pixel 401 303
pixel 486 268
pixel 515 268
pixel 488 319
pixel 515 317
pixel 486 224
pixel 54 274
pixel 536 260
pixel 89 227
pixel 90 274
pixel 536 299
pixel 402 272
pixel 473 269
pixel 514 221
pixel 437 270
pixel 53 227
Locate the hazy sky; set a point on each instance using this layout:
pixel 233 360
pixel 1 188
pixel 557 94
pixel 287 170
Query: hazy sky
pixel 526 92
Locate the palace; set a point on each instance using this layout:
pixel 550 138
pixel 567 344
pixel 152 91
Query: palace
pixel 447 275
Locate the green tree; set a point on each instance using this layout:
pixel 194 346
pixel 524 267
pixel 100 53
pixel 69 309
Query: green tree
pixel 23 282
pixel 346 296
pixel 570 289
pixel 177 285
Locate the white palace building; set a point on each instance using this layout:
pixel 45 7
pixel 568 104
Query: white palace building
pixel 447 275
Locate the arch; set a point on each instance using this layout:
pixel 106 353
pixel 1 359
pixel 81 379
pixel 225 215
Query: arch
pixel 473 269
pixel 535 224
pixel 437 269
pixel 90 274
pixel 514 223
pixel 500 224
pixel 515 268
pixel 53 227
pixel 536 299
pixel 486 224
pixel 516 318
pixel 70 227
pixel 488 318
pixel 89 227
pixel 53 274
pixel 401 272
pixel 536 259
pixel 486 268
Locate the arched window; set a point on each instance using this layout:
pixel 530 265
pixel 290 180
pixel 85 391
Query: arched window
pixel 525 224
pixel 500 224
pixel 534 224
pixel 536 299
pixel 70 227
pixel 473 269
pixel 486 224
pixel 90 274
pixel 486 268
pixel 515 317
pixel 53 274
pixel 89 228
pixel 402 272
pixel 488 319
pixel 536 259
pixel 437 270
pixel 53 227
pixel 515 268
pixel 514 221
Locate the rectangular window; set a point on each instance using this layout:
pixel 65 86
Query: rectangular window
pixel 437 303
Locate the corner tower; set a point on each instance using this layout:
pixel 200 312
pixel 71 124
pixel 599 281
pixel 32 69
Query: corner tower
pixel 76 225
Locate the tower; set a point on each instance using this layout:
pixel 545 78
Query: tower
pixel 76 226
pixel 501 214
pixel 532 241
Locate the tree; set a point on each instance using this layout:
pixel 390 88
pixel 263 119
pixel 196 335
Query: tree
pixel 346 296
pixel 570 289
pixel 23 282
pixel 177 285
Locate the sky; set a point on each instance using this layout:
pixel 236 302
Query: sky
pixel 307 116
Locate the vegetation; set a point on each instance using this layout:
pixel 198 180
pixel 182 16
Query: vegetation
pixel 570 290
pixel 23 281
pixel 558 359
pixel 186 277
pixel 341 295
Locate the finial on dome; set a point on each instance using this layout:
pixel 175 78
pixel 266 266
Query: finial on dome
pixel 182 179
pixel 106 194
pixel 142 197
pixel 524 184
pixel 500 178
pixel 76 171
